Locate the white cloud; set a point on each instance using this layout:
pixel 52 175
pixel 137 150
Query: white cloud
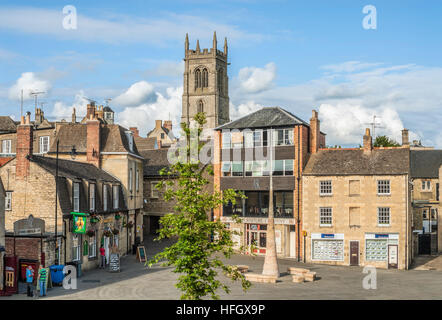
pixel 253 79
pixel 138 93
pixel 63 110
pixel 165 106
pixel 28 82
pixel 118 29
pixel 349 66
pixel 243 109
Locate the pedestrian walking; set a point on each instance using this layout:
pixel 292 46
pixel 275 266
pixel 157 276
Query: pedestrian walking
pixel 102 257
pixel 30 280
pixel 42 280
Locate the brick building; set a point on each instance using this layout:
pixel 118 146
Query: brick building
pixel 357 208
pixel 242 162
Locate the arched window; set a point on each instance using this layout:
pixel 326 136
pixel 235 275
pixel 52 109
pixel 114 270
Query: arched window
pixel 200 107
pixel 197 78
pixel 205 83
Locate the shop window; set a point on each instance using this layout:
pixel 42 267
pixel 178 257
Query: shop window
pixel 376 250
pixel 383 216
pixel 383 187
pixel 325 216
pixel 93 246
pixel 327 250
pixel 325 188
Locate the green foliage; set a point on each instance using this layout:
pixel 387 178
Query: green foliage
pixel 384 141
pixel 201 243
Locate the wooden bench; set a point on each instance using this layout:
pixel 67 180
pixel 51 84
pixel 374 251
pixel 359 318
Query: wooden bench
pixel 297 278
pixel 310 276
pixel 298 271
pixel 255 277
pixel 242 268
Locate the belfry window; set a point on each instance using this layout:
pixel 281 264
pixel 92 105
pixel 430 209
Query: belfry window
pixel 205 79
pixel 200 106
pixel 201 78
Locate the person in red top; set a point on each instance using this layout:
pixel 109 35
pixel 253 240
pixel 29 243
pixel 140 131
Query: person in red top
pixel 102 257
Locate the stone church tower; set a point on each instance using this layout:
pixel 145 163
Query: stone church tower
pixel 206 84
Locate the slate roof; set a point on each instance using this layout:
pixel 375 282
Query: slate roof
pixel 7 124
pixel 73 169
pixel 144 144
pixel 112 139
pixel 329 162
pixel 425 163
pixel 265 117
pixel 155 160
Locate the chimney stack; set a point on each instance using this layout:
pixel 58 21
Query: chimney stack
pixel 90 111
pixel 405 141
pixel 368 143
pixel 135 131
pixel 314 132
pixel 24 146
pixel 158 124
pixel 74 116
pixel 168 124
pixel 93 141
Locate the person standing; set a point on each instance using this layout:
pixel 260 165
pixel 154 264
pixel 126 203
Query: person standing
pixel 102 257
pixel 42 280
pixel 30 280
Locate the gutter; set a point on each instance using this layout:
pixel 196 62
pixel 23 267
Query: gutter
pixel 124 153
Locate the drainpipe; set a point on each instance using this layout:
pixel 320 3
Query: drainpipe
pixel 65 235
pixel 297 178
pixel 127 233
pixel 406 223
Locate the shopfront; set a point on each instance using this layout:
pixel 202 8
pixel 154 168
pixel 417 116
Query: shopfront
pixel 327 247
pixel 256 235
pixel 382 247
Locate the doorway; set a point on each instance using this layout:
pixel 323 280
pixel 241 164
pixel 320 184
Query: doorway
pixel 106 248
pixel 354 253
pixel 392 256
pixel 257 236
pixel 425 243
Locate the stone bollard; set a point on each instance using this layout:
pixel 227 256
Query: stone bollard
pixel 297 278
pixel 310 276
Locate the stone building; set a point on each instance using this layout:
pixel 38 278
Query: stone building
pixel 425 178
pixel 2 235
pixel 205 86
pixel 162 133
pixel 357 208
pixel 99 171
pixel 242 162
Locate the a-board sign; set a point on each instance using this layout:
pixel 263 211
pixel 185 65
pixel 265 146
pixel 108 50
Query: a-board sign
pixel 141 253
pixel 114 262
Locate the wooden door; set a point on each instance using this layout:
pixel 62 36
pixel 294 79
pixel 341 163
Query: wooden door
pixel 354 253
pixel 392 256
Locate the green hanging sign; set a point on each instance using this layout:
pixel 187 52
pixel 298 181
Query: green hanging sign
pixel 79 222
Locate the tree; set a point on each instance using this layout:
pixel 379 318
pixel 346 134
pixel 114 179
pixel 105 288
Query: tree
pixel 200 242
pixel 384 141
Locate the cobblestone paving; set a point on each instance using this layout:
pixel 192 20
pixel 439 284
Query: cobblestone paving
pixel 135 282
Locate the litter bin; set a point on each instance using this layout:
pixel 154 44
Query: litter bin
pixel 57 273
pixel 77 266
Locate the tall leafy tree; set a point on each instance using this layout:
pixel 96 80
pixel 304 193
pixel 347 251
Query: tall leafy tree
pixel 201 243
pixel 384 141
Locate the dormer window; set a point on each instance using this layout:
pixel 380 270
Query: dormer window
pixel 130 140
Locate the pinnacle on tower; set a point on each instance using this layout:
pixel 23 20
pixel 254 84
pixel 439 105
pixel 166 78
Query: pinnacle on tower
pixel 186 44
pixel 225 46
pixel 197 46
pixel 214 41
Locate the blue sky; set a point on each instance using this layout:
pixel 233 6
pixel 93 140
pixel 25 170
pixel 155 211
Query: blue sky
pixel 296 54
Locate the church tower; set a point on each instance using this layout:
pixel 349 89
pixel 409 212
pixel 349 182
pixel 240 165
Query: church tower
pixel 206 84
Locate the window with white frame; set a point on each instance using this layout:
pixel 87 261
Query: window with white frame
pixel 426 185
pixel 325 188
pixel 226 139
pixel 154 192
pixel 76 248
pixel 383 187
pixel 116 196
pixel 105 196
pixel 76 197
pixel 325 216
pixel 93 246
pixel 44 144
pixel 131 180
pixel 257 138
pixel 283 137
pixel 8 200
pixel 248 138
pixel 383 216
pixel 6 146
pixel 92 197
pixel 137 180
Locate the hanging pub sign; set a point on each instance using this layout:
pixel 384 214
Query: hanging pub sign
pixel 79 222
